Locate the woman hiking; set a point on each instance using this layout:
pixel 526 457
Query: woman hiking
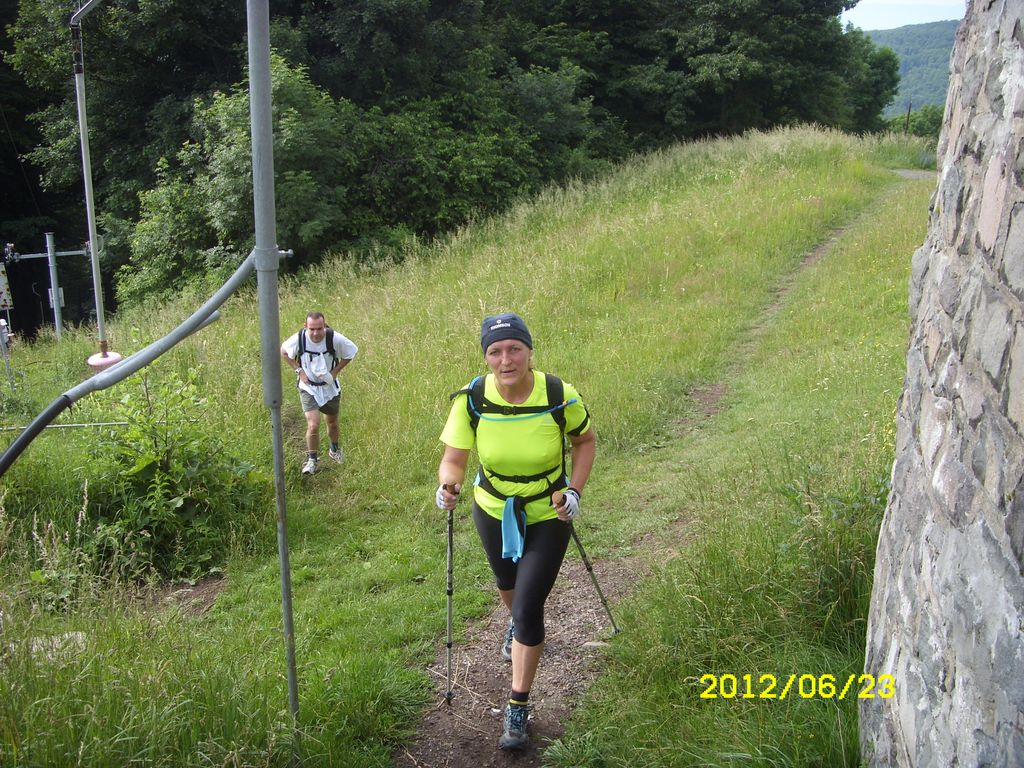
pixel 517 418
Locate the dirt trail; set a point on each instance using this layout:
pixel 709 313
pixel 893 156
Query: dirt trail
pixel 465 734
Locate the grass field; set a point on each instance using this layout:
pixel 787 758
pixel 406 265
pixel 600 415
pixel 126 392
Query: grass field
pixel 663 277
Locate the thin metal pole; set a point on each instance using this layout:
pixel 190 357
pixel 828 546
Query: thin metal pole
pixel 51 260
pixel 590 569
pixel 451 590
pixel 4 351
pixel 90 208
pixel 267 258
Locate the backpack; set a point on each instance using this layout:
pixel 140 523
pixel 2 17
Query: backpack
pixel 479 407
pixel 328 342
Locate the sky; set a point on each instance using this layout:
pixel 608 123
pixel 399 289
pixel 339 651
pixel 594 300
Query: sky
pixel 888 14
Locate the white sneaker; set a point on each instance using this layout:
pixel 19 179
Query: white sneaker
pixel 309 467
pixel 337 455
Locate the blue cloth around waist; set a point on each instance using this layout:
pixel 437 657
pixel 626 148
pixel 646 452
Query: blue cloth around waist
pixel 513 530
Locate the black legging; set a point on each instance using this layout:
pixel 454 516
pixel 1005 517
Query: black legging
pixel 533 576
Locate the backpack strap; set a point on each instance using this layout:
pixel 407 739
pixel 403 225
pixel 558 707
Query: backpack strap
pixel 474 394
pixel 484 482
pixel 556 397
pixel 329 341
pixel 479 406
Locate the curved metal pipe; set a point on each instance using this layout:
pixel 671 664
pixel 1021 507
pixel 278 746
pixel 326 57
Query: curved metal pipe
pixel 199 319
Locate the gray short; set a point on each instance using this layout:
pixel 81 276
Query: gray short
pixel 331 407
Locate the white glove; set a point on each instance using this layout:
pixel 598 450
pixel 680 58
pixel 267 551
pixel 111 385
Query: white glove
pixel 446 499
pixel 571 503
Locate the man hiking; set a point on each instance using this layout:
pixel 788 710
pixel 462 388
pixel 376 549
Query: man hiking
pixel 317 354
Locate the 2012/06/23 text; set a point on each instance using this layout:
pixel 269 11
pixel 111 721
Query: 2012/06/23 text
pixel 807 686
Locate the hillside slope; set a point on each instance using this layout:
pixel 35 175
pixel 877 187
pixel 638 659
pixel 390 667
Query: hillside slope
pixel 924 51
pixel 678 274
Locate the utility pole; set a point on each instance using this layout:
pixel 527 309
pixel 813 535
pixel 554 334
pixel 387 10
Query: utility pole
pixel 104 358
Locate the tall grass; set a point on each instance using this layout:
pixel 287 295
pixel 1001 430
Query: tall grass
pixel 637 289
pixel 788 485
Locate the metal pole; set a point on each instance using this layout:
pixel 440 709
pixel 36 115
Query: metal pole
pixel 4 352
pixel 90 208
pixel 590 569
pixel 267 258
pixel 51 259
pixel 451 589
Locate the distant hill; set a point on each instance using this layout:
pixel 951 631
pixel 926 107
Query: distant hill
pixel 924 51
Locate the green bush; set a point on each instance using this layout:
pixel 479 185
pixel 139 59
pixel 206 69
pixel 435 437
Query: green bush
pixel 925 122
pixel 176 496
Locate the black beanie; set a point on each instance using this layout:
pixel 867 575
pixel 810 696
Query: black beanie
pixel 507 325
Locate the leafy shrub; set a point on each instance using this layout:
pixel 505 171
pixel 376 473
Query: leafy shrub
pixel 353 177
pixel 177 496
pixel 925 122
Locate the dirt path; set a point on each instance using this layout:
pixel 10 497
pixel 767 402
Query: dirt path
pixel 465 734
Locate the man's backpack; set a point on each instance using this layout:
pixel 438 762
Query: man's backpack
pixel 328 342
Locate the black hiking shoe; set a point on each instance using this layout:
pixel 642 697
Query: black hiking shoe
pixel 506 641
pixel 514 736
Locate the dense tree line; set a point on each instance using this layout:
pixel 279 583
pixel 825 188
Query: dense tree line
pixel 403 117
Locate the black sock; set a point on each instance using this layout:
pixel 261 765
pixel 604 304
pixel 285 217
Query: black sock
pixel 518 697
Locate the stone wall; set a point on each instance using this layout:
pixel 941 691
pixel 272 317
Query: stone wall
pixel 946 611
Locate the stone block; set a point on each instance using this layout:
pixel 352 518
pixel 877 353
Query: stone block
pixel 972 395
pixel 950 199
pixel 934 425
pixel 1013 253
pixel 990 332
pixel 919 265
pixel 949 287
pixel 993 196
pixel 1014 387
pixel 954 488
pixel 934 342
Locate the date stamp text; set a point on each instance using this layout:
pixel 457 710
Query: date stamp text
pixel 768 686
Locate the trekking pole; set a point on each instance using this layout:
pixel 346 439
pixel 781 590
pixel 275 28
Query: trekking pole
pixel 556 500
pixel 451 526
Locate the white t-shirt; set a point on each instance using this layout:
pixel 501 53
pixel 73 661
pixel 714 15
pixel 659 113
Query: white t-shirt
pixel 316 362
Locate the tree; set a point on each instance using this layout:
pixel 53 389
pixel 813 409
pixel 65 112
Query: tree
pixel 382 52
pixel 197 221
pixel 402 117
pixel 872 79
pixel 345 176
pixel 925 122
pixel 145 61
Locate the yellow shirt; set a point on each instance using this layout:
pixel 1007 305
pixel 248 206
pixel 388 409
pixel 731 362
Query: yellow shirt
pixel 525 444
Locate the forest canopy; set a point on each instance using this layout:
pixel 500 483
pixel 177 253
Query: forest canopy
pixel 398 117
pixel 924 51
